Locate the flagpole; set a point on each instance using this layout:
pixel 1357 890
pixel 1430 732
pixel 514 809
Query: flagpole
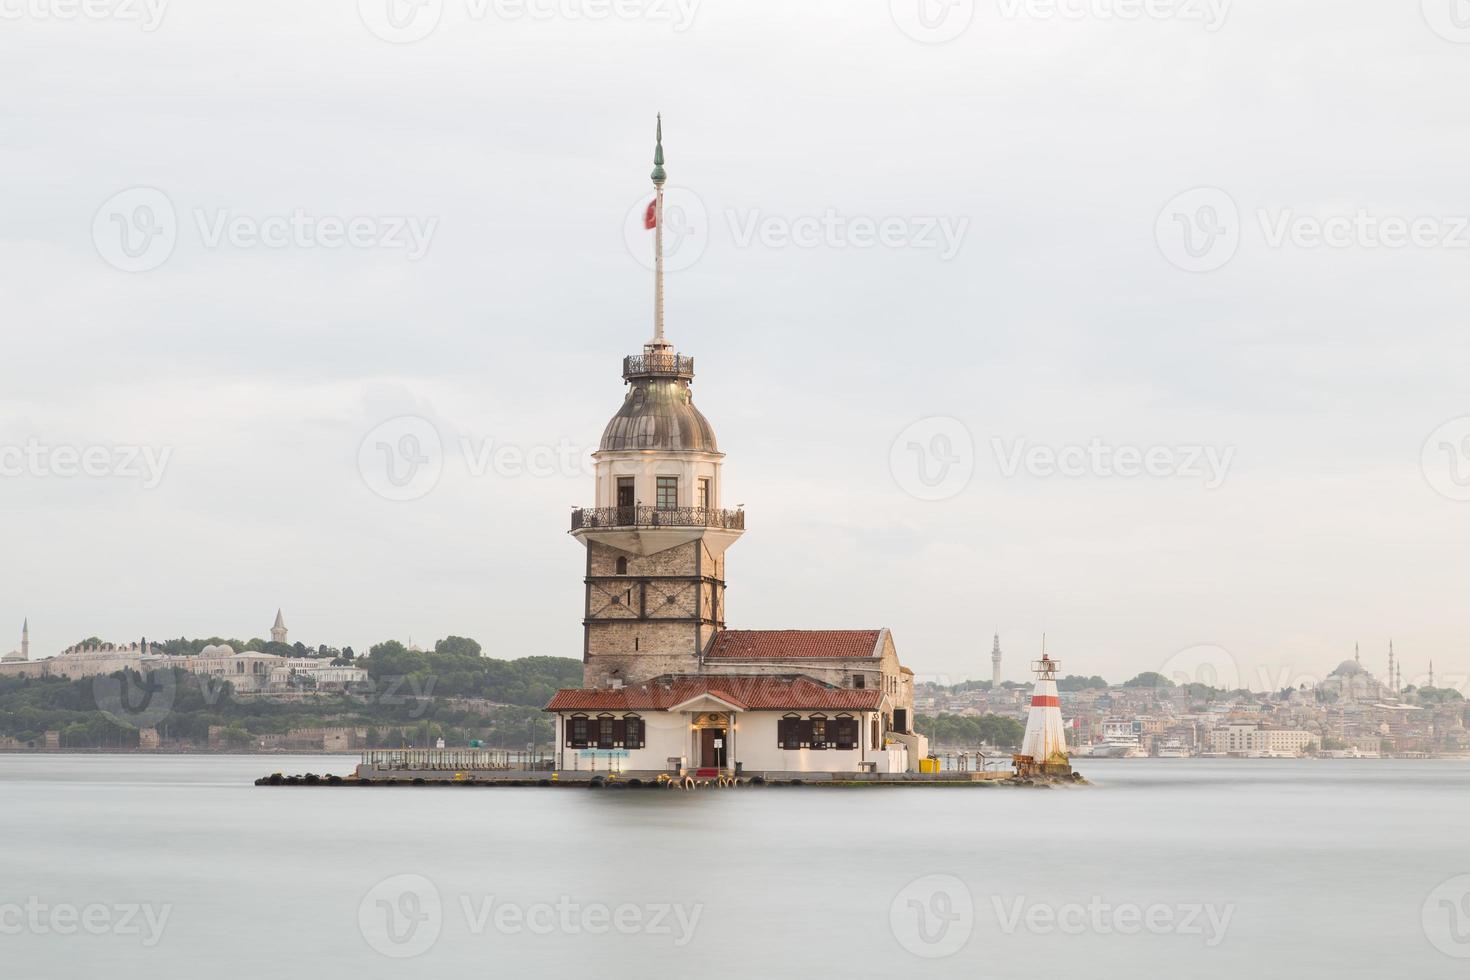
pixel 658 235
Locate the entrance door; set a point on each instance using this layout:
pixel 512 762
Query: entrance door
pixel 712 748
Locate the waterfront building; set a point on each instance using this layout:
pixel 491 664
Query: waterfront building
pixel 665 683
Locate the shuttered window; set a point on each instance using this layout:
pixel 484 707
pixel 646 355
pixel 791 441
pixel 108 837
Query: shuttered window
pixel 633 737
pixel 788 732
pixel 844 732
pixel 608 735
pixel 819 734
pixel 577 732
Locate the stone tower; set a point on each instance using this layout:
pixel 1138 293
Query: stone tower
pixel 995 664
pixel 657 534
pixel 278 631
pixel 25 639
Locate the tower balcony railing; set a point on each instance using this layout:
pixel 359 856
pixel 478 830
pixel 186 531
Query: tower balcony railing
pixel 639 516
pixel 658 365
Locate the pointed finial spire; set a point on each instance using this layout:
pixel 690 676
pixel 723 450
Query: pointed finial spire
pixel 658 345
pixel 658 153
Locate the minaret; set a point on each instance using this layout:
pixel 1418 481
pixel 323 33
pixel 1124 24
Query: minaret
pixel 995 663
pixel 278 631
pixel 1396 670
pixel 1390 667
pixel 656 535
pixel 25 639
pixel 1431 674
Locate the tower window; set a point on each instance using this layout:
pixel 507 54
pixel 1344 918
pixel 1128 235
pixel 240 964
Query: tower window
pixel 622 566
pixel 668 492
pixel 704 492
pixel 625 491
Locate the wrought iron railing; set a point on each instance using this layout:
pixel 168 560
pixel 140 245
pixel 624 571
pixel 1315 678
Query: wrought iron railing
pixel 673 365
pixel 596 517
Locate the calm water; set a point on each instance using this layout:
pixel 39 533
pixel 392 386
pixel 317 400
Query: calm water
pixel 1165 868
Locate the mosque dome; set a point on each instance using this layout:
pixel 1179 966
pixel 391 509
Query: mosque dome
pixel 658 411
pixel 1348 668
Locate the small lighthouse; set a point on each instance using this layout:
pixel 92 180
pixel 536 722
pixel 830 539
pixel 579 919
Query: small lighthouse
pixel 1044 748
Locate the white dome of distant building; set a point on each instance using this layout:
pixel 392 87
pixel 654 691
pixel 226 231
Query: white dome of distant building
pixel 1348 668
pixel 13 657
pixel 220 650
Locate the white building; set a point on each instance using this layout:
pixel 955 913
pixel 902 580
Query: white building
pixel 1254 740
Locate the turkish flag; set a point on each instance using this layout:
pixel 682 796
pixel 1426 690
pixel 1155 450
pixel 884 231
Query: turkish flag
pixel 650 217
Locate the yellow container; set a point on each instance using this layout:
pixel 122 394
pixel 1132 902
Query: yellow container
pixel 928 765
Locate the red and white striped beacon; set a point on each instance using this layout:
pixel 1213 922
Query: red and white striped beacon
pixel 1044 748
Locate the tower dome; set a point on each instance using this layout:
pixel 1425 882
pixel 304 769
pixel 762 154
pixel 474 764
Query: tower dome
pixel 658 411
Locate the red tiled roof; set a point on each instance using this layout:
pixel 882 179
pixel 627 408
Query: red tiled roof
pixel 748 692
pixel 795 645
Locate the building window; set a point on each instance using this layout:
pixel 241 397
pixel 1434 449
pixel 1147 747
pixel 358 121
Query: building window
pixel 859 681
pixel 877 737
pixel 668 492
pixel 577 732
pixel 844 729
pixel 622 566
pixel 704 492
pixel 625 491
pixel 633 733
pixel 606 734
pixel 818 729
pixel 788 732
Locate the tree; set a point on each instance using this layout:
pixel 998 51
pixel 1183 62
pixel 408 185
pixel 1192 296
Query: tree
pixel 1149 678
pixel 460 646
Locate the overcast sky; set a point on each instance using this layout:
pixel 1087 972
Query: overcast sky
pixel 1212 257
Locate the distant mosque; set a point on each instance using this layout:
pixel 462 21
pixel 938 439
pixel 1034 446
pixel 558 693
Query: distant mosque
pixel 22 655
pixel 1351 683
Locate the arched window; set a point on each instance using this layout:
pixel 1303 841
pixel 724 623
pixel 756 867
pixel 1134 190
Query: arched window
pixel 622 566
